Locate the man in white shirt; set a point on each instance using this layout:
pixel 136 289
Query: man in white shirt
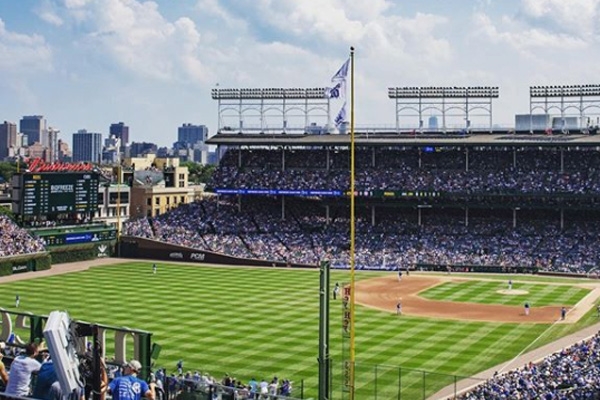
pixel 19 379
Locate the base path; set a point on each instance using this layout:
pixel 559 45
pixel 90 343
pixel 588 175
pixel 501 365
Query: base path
pixel 383 293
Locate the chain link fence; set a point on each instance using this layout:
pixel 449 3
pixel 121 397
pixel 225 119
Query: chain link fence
pixel 383 382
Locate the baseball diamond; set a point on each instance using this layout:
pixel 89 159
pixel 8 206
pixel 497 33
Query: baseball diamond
pixel 249 321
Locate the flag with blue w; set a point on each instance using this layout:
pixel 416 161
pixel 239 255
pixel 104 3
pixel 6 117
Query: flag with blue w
pixel 341 117
pixel 342 72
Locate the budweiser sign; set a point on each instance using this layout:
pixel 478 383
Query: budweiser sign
pixel 39 165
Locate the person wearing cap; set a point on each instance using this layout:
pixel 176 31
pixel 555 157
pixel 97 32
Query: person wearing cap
pixel 129 386
pixel 21 369
pixel 3 374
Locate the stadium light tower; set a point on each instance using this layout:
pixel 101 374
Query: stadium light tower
pixel 582 98
pixel 445 100
pixel 248 102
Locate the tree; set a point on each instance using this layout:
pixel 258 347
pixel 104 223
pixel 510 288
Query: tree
pixel 7 170
pixel 8 212
pixel 199 173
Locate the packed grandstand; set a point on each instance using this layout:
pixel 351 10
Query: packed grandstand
pixel 526 207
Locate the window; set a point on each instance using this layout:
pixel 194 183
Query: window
pixel 148 201
pixel 157 201
pixel 118 197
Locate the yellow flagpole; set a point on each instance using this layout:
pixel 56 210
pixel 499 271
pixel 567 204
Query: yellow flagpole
pixel 352 227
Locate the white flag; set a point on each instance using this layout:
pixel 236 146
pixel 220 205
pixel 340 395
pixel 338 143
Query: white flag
pixel 342 72
pixel 336 92
pixel 341 117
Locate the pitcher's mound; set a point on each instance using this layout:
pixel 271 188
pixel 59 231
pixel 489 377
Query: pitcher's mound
pixel 512 291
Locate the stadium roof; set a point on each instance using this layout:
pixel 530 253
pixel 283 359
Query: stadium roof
pixel 362 139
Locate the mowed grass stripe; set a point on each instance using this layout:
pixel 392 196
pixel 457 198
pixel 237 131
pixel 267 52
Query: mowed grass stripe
pixel 264 322
pixel 487 292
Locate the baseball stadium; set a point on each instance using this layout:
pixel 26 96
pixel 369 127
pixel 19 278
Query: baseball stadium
pixel 466 255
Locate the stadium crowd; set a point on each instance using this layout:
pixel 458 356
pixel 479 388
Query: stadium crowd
pixel 15 240
pixel 571 374
pixel 256 230
pixel 172 386
pixel 449 171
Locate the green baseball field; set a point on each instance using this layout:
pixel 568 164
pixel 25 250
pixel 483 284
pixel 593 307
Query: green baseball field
pixel 263 322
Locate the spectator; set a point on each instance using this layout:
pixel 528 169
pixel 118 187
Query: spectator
pixel 128 386
pixel 21 368
pixel 3 374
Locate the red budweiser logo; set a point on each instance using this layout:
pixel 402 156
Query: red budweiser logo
pixel 39 165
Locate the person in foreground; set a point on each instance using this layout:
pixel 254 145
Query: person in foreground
pixel 22 367
pixel 129 386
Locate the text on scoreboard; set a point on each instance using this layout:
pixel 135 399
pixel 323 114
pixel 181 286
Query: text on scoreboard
pixel 58 193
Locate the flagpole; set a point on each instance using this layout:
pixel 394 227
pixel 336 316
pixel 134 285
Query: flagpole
pixel 352 227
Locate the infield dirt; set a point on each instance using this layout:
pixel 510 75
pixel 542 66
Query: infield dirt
pixel 384 292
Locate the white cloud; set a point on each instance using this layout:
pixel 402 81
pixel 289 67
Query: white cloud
pixel 138 38
pixel 23 54
pixel 577 17
pixel 214 9
pixel 50 18
pixel 76 3
pixel 525 39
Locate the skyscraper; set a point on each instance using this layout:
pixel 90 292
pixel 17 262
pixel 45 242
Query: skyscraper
pixel 8 138
pixel 34 126
pixel 188 135
pixel 87 146
pixel 120 131
pixel 53 144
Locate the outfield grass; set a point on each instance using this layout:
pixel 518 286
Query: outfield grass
pixel 486 292
pixel 253 322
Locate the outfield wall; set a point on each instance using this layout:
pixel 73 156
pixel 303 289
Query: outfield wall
pixel 24 263
pixel 136 247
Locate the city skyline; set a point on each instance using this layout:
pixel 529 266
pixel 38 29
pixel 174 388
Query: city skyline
pixel 86 64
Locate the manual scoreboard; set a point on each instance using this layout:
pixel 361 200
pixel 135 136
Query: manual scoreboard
pixel 37 194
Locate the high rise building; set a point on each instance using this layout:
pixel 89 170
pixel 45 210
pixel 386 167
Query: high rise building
pixel 120 131
pixel 188 135
pixel 87 146
pixel 34 126
pixel 142 148
pixel 8 138
pixel 64 154
pixel 110 151
pixel 53 144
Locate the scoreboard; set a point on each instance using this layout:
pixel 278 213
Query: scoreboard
pixel 56 193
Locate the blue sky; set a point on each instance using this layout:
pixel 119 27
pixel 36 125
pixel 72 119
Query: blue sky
pixel 85 64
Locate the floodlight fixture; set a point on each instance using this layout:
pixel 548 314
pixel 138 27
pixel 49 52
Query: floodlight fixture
pixel 267 93
pixel 565 91
pixel 443 92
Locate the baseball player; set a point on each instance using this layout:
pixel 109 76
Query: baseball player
pixel 399 308
pixel 336 290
